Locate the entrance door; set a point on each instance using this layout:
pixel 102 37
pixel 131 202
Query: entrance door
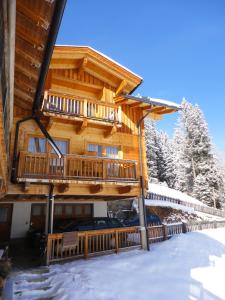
pixel 5 221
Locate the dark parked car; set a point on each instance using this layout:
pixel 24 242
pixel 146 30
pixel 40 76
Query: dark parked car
pixel 67 225
pixel 152 219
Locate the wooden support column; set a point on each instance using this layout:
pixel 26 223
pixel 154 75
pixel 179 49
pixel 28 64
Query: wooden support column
pixel 83 126
pixel 111 132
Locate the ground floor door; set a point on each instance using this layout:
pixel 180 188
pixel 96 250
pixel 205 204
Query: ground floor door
pixel 5 221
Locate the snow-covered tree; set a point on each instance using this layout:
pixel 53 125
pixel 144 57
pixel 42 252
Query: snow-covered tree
pixel 201 176
pixel 151 150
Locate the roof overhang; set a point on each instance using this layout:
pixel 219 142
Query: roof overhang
pixel 95 63
pixel 37 24
pixel 156 107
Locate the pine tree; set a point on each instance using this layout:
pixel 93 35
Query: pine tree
pixel 201 176
pixel 151 150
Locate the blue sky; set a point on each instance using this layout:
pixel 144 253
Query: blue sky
pixel 177 46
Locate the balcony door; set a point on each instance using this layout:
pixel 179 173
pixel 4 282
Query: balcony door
pixel 46 161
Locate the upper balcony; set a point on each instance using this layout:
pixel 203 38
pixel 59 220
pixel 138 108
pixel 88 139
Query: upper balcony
pixel 77 108
pixel 48 167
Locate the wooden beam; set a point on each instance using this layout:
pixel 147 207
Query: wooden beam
pixel 83 126
pixel 74 83
pixel 124 189
pixel 121 87
pixel 111 131
pixel 22 95
pixel 30 73
pixel 20 31
pixel 64 64
pixel 94 189
pixel 136 104
pixel 82 66
pixel 26 187
pixel 28 48
pixel 30 58
pixel 37 19
pixel 63 188
pixel 167 111
pixel 49 124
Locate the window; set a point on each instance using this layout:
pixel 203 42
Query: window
pixel 68 210
pixel 37 144
pixel 78 210
pixel 112 152
pixel 58 210
pixel 95 148
pixel 37 210
pixel 3 214
pixel 87 210
pixel 62 145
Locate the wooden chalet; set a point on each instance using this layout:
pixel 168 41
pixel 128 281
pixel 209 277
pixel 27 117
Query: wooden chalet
pixel 72 141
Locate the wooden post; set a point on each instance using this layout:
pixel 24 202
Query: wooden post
pixel 119 114
pixel 48 251
pixel 184 227
pixel 86 245
pixel 85 108
pixel 165 232
pixel 116 242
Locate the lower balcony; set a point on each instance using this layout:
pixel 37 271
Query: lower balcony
pixel 45 167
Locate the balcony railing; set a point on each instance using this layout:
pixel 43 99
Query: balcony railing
pixel 44 166
pixel 76 107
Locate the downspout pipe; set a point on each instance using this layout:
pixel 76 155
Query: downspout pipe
pixel 142 209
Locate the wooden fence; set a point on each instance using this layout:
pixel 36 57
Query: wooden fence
pixel 93 242
pixel 197 207
pixel 163 232
pixel 98 242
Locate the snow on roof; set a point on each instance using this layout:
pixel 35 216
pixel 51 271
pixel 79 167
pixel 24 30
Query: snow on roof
pixel 171 193
pixel 102 54
pixel 155 101
pixel 162 203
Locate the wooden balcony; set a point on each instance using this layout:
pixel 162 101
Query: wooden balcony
pixel 75 108
pixel 45 167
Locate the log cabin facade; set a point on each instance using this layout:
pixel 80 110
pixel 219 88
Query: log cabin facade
pixel 74 133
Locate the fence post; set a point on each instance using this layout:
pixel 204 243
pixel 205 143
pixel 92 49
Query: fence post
pixel 165 232
pixel 116 242
pixel 184 227
pixel 86 245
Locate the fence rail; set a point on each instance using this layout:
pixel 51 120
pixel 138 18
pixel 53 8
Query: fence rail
pixel 163 232
pixel 78 107
pixel 93 243
pixel 98 242
pixel 50 166
pixel 200 208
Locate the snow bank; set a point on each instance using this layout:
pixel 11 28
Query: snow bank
pixel 168 192
pixel 188 266
pixel 162 203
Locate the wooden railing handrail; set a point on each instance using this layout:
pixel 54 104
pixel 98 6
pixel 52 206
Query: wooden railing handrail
pixel 82 99
pixel 86 157
pixel 72 166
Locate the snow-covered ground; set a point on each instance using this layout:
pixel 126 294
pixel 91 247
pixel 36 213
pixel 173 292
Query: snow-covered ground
pixel 168 192
pixel 187 267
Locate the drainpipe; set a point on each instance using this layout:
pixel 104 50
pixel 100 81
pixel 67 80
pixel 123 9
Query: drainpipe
pixel 50 210
pixel 141 200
